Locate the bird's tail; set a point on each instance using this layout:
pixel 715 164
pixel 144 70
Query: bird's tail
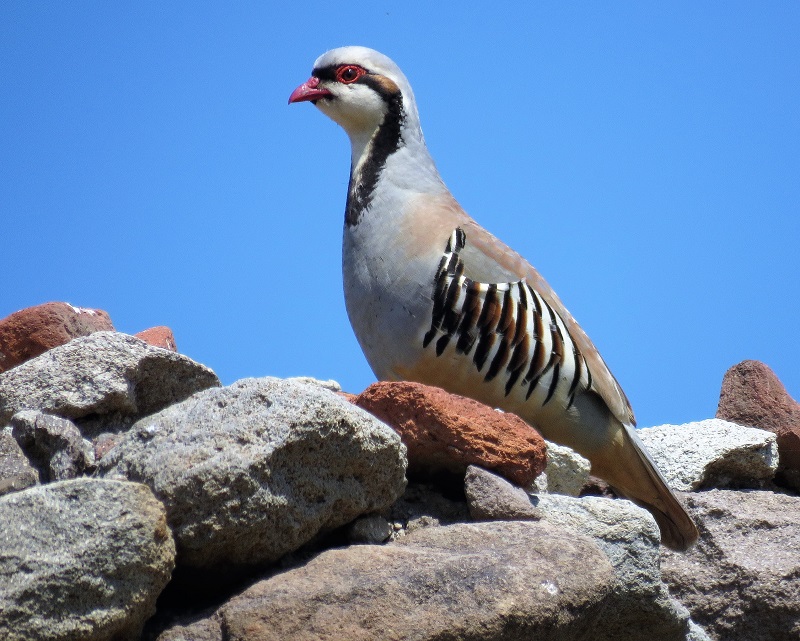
pixel 630 470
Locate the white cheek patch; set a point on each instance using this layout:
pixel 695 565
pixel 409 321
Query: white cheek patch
pixel 357 108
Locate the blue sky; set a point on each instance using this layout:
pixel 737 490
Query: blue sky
pixel 645 157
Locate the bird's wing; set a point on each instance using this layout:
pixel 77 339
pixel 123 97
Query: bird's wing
pixel 488 260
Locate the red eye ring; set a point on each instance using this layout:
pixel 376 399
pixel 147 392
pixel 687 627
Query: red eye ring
pixel 348 74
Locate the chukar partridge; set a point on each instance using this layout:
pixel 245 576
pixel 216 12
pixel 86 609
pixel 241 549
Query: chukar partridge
pixel 435 298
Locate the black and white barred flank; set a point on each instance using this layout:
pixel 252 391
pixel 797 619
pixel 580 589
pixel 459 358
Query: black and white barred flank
pixel 507 325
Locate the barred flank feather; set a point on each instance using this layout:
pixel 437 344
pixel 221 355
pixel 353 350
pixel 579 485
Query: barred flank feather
pixel 507 326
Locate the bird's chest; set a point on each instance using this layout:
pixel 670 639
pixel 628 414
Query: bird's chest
pixel 388 289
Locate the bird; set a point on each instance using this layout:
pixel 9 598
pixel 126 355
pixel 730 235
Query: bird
pixel 435 298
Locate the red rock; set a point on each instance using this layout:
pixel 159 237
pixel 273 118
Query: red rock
pixel 753 395
pixel 160 336
pixel 30 332
pixel 445 432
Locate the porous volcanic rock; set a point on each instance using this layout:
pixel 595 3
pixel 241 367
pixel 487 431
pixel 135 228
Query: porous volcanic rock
pixel 446 433
pixel 753 395
pixel 32 331
pixel 160 336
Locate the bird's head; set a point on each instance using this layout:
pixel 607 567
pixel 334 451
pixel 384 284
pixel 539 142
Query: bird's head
pixel 357 87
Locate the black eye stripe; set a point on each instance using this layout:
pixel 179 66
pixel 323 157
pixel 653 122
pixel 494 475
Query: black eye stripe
pixel 326 73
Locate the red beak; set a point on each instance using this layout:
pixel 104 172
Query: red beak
pixel 308 91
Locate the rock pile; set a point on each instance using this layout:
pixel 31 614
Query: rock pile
pixel 133 484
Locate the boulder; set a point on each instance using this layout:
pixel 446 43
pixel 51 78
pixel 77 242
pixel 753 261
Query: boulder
pixel 753 395
pixel 446 433
pixel 487 581
pixel 627 535
pixel 742 580
pixel 102 382
pixel 253 471
pixel 712 454
pixel 82 559
pixel 16 472
pixel 54 445
pixel 32 331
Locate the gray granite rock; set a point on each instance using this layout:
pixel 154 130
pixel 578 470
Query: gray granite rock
pixel 712 453
pixel 53 444
pixel 742 580
pixel 489 581
pixel 330 384
pixel 81 559
pixel 566 472
pixel 102 382
pixel 16 472
pixel 253 471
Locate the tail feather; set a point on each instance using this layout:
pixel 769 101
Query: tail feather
pixel 634 475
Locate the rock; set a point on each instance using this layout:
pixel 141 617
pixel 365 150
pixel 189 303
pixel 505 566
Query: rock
pixel 752 395
pixel 372 528
pixel 104 443
pixel 445 432
pixel 85 559
pixel 330 384
pixel 207 629
pixel 712 453
pixel 742 580
pixel 630 538
pixel 567 472
pixel 492 498
pixel 253 471
pixel 160 336
pixel 488 581
pixel 54 445
pixel 102 382
pixel 16 472
pixel 32 331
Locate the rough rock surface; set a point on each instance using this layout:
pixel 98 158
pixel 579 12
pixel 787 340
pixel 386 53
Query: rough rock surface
pixel 160 336
pixel 53 444
pixel 628 536
pixel 753 395
pixel 102 382
pixel 492 498
pixel 253 471
pixel 712 454
pixel 445 432
pixel 30 332
pixel 742 580
pixel 16 472
pixel 487 581
pixel 567 472
pixel 81 559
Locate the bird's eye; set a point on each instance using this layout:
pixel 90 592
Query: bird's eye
pixel 347 74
